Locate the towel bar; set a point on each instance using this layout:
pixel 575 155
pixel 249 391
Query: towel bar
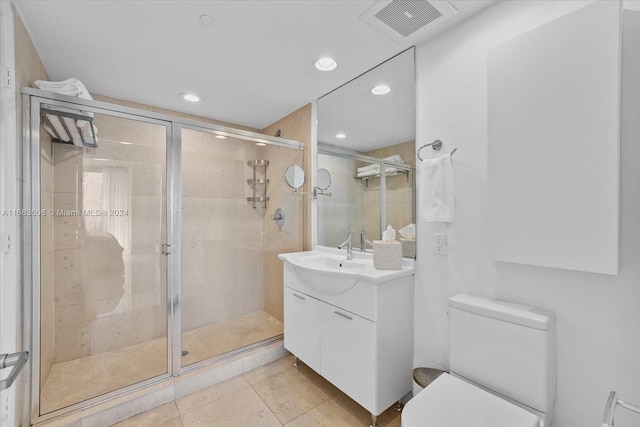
pixel 610 408
pixel 436 145
pixel 17 360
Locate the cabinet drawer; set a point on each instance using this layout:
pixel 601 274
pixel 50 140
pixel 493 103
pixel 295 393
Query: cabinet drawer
pixel 348 354
pixel 302 327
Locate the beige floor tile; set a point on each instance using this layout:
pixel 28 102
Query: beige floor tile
pixel 273 368
pixel 327 414
pixel 155 417
pixel 318 380
pixel 290 394
pixel 358 411
pixel 210 394
pixel 240 409
pixel 396 422
pixel 177 422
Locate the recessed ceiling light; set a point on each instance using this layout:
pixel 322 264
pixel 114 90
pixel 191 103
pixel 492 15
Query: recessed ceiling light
pixel 221 137
pixel 261 142
pixel 341 135
pixel 380 90
pixel 326 64
pixel 191 97
pixel 207 20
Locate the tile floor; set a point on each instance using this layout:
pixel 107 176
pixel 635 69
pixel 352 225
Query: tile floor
pixel 81 379
pixel 274 395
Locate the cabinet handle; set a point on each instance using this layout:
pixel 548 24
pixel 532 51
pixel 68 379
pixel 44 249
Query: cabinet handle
pixel 298 296
pixel 343 315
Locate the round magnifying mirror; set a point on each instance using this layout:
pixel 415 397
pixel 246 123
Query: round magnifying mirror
pixel 294 176
pixel 324 179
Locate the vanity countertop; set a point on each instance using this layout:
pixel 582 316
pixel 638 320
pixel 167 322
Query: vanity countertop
pixel 333 262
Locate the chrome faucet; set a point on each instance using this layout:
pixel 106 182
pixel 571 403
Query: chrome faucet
pixel 364 242
pixel 349 248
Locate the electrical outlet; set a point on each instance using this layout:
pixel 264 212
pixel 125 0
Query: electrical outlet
pixel 440 244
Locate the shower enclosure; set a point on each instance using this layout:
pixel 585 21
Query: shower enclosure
pixel 145 258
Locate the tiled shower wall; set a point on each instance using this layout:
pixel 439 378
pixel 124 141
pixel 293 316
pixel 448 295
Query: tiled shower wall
pixel 221 233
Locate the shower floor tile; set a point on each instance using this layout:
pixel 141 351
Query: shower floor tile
pixel 219 338
pixel 77 380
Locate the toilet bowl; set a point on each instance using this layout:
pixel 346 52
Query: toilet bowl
pixel 503 368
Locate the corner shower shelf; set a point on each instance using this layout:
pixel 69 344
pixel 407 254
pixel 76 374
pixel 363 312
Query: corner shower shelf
pixel 259 185
pixel 257 181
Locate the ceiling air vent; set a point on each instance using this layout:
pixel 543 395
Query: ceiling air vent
pixel 405 20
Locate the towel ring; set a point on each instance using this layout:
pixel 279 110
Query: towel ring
pixel 436 145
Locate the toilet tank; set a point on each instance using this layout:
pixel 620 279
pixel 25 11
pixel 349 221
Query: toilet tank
pixel 505 347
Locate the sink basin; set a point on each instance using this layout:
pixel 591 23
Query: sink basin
pixel 329 262
pixel 330 272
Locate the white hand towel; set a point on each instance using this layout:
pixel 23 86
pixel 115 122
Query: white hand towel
pixel 437 190
pixel 70 87
pixel 376 172
pixel 367 173
pixel 57 125
pixel 395 158
pixel 369 168
pixel 76 138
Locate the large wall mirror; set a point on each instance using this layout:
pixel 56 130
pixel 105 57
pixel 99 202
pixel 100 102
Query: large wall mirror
pixel 366 141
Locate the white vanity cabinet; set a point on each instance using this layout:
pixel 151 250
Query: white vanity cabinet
pixel 354 331
pixel 302 332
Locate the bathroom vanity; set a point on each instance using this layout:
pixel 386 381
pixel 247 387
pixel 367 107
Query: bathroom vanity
pixel 351 323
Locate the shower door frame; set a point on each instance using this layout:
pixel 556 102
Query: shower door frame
pixel 32 99
pixel 32 230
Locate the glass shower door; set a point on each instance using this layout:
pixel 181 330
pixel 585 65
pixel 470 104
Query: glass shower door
pixel 228 301
pixel 102 228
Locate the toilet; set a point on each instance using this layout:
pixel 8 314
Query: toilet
pixel 502 358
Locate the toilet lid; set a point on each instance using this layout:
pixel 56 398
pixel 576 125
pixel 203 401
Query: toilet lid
pixel 452 402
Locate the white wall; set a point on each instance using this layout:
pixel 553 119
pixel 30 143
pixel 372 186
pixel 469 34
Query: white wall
pixel 598 315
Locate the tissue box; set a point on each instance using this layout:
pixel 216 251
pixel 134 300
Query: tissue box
pixel 387 255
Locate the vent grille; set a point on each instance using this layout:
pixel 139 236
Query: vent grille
pixel 407 20
pixel 408 16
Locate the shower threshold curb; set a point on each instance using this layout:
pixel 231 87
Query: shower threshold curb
pixel 126 406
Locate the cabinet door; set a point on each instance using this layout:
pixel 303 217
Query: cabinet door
pixel 348 354
pixel 302 327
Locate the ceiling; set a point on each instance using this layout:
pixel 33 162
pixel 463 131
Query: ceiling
pixel 253 66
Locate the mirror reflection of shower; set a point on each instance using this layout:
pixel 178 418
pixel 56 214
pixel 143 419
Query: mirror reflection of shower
pixel 366 141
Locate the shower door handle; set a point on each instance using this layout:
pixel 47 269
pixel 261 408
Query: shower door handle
pixel 166 249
